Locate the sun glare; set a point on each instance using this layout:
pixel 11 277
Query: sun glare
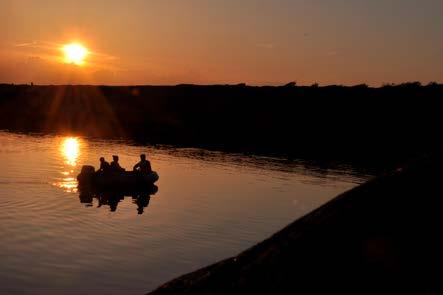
pixel 75 53
pixel 70 150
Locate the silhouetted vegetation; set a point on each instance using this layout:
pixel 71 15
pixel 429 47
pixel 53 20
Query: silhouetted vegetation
pixel 359 124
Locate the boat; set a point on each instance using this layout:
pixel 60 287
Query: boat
pixel 99 180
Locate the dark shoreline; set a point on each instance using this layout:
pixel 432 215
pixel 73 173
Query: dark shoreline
pixel 360 125
pixel 378 238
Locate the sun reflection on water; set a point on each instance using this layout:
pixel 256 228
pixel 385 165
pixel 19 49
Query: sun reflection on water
pixel 70 151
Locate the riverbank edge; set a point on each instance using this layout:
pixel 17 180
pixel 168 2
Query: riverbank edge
pixel 366 237
pixel 359 125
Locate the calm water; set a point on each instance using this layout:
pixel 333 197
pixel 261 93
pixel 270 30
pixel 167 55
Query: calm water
pixel 209 206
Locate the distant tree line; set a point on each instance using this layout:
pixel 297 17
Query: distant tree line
pixel 356 123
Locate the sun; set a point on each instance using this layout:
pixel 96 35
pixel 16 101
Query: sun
pixel 75 53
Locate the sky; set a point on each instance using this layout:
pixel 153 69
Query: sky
pixel 257 42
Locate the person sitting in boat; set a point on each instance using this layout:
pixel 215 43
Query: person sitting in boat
pixel 104 166
pixel 144 166
pixel 115 166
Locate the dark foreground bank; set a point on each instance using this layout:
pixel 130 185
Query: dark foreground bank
pixel 356 124
pixel 383 237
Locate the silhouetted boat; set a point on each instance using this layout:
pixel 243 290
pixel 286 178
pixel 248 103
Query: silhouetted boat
pixel 91 179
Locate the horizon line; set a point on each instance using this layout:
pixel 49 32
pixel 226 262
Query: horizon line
pixel 288 85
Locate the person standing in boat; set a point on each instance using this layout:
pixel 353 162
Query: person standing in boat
pixel 104 166
pixel 115 166
pixel 144 166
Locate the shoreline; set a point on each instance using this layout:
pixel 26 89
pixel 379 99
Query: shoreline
pixel 366 126
pixel 380 237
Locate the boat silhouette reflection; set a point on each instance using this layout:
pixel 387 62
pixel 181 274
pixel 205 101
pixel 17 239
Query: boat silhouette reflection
pixel 111 199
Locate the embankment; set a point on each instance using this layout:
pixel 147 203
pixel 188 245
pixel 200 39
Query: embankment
pixel 383 237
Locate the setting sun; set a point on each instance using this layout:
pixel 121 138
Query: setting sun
pixel 75 53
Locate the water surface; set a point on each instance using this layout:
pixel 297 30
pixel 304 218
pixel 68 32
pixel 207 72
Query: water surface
pixel 209 206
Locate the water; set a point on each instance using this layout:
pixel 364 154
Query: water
pixel 209 206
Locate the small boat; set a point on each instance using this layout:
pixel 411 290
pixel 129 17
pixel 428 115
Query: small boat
pixel 89 178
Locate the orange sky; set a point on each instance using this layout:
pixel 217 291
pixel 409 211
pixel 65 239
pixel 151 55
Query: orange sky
pixel 202 41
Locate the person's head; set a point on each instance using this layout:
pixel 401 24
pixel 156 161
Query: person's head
pixel 115 158
pixel 143 157
pixel 102 159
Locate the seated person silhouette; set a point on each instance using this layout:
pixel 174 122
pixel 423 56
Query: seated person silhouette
pixel 104 166
pixel 144 166
pixel 115 166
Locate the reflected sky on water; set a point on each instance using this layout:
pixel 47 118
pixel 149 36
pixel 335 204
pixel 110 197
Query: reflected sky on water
pixel 207 206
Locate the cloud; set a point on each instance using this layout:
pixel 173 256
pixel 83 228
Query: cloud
pixel 266 45
pixel 26 44
pixel 36 44
pixel 48 54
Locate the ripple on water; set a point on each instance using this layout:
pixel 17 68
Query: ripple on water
pixel 210 205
